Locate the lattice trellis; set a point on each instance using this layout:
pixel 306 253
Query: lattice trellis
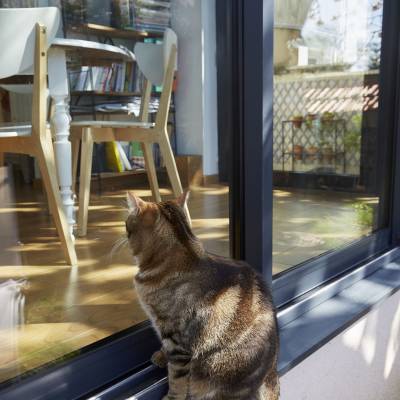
pixel 347 96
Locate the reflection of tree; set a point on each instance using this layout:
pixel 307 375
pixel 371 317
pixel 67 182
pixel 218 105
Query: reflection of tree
pixel 291 13
pixel 332 26
pixel 373 46
pixel 315 12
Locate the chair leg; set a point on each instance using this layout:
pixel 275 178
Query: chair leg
pixel 75 144
pixel 84 181
pixel 151 171
pixel 1 159
pixel 172 170
pixel 47 166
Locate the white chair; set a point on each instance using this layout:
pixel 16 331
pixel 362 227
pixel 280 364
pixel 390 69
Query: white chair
pixel 25 35
pixel 158 63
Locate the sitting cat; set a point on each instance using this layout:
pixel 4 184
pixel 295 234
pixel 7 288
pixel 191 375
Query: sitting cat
pixel 214 316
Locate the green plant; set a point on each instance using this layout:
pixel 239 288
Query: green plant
pixel 356 120
pixel 297 120
pixel 352 138
pixel 327 116
pixel 352 141
pixel 327 120
pixel 365 213
pixel 309 120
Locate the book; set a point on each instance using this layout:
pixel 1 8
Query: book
pixel 81 81
pixel 150 15
pixel 127 76
pixel 93 76
pixel 121 80
pixel 73 77
pixel 153 3
pixel 106 87
pixel 111 80
pixel 99 158
pixel 113 158
pixel 123 157
pixel 136 156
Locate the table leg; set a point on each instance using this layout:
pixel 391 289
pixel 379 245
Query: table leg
pixel 58 88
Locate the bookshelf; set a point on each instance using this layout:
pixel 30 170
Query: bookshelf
pixel 137 171
pixel 111 32
pixel 108 33
pixel 94 91
pixel 105 94
pixel 109 94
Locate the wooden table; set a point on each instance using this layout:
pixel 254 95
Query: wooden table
pixel 94 53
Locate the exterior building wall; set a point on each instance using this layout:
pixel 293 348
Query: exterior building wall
pixel 362 363
pixel 346 94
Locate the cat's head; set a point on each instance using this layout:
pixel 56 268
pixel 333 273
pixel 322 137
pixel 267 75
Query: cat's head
pixel 151 223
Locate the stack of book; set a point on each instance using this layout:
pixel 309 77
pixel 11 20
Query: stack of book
pixel 124 156
pixel 19 3
pixel 120 77
pixel 151 15
pixel 142 15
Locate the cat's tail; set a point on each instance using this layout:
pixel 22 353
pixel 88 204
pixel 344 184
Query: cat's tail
pixel 270 389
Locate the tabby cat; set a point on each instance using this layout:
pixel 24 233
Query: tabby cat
pixel 214 316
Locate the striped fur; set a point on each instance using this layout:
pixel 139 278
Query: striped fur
pixel 214 316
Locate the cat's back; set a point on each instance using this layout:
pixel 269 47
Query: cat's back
pixel 219 274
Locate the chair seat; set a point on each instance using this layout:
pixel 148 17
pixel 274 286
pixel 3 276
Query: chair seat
pixel 113 124
pixel 15 130
pixel 10 130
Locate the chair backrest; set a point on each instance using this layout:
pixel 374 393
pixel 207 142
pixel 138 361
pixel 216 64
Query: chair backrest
pixel 158 63
pixel 152 58
pixel 39 93
pixel 17 37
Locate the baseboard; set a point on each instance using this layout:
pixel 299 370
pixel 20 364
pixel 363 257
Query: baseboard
pixel 210 179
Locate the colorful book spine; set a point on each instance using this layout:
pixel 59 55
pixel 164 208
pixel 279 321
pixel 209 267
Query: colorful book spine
pixel 119 77
pixel 113 159
pixel 123 157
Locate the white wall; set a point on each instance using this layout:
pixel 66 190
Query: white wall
pixel 362 363
pixel 210 107
pixel 186 22
pixel 196 96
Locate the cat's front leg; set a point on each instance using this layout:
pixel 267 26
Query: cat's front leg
pixel 179 363
pixel 178 381
pixel 159 358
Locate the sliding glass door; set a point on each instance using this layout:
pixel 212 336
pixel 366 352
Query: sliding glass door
pixel 327 140
pixel 56 315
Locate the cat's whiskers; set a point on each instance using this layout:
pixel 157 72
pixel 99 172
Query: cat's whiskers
pixel 124 204
pixel 118 245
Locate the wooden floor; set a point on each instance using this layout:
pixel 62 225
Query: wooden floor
pixel 68 308
pixel 50 310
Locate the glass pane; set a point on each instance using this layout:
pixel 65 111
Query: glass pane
pixel 49 310
pixel 326 143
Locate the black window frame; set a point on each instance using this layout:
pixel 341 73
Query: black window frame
pixel 245 60
pixel 255 153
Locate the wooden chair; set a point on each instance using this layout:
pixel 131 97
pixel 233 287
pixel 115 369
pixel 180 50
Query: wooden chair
pixel 25 35
pixel 158 64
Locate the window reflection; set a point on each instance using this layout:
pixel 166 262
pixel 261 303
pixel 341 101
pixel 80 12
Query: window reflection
pixel 68 308
pixel 326 100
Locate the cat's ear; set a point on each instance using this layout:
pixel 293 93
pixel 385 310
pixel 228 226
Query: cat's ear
pixel 183 198
pixel 135 203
